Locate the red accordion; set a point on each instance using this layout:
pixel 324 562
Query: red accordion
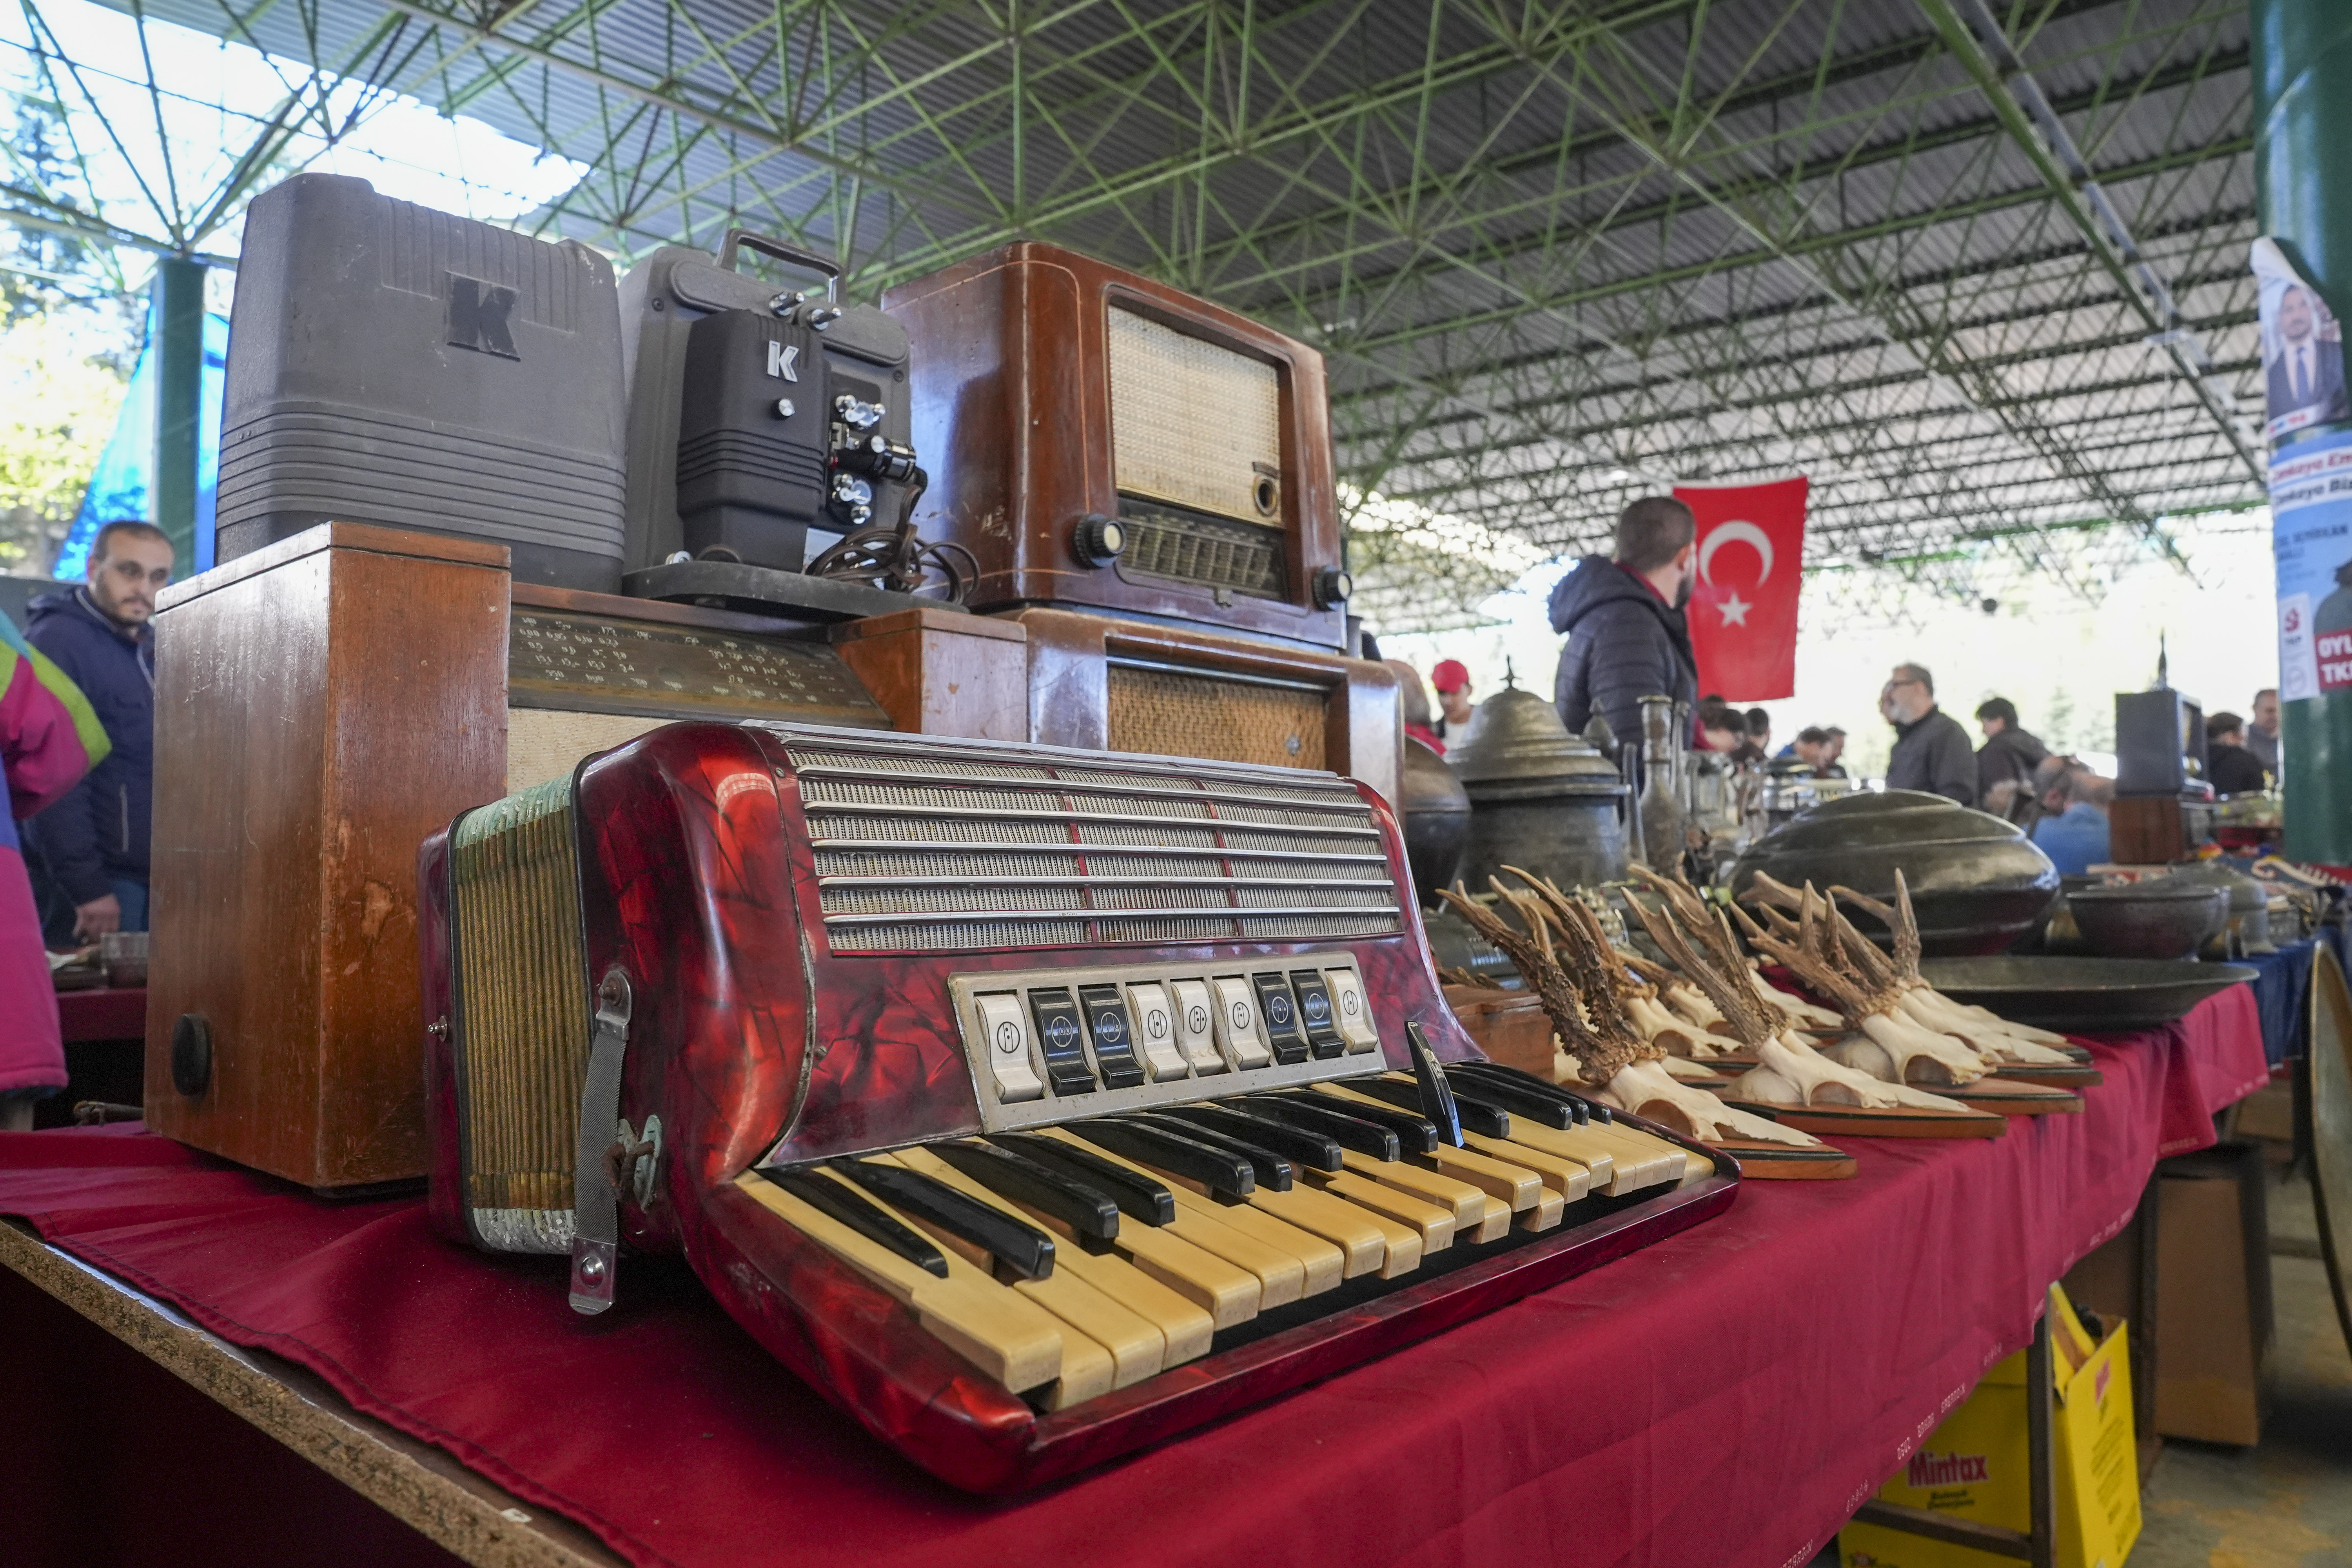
pixel 1032 1104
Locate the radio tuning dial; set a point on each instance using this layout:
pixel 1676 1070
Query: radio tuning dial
pixel 1331 586
pixel 1099 540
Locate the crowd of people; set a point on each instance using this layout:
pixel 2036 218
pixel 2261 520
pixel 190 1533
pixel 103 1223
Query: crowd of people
pixel 1623 617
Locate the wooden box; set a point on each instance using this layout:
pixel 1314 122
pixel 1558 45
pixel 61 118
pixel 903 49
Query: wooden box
pixel 325 703
pixel 321 705
pixel 1050 388
pixel 1510 1027
pixel 2213 1326
pixel 937 672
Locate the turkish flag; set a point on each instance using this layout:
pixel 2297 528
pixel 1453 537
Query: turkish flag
pixel 1743 603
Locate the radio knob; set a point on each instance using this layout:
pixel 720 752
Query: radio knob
pixel 1099 540
pixel 1331 586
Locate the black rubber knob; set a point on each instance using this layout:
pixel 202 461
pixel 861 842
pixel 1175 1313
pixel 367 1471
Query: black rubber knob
pixel 192 1054
pixel 1099 540
pixel 1331 585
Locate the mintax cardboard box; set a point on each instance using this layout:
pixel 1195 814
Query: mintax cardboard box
pixel 1974 1466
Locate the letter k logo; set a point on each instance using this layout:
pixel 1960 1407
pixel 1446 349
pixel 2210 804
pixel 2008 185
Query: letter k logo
pixel 478 316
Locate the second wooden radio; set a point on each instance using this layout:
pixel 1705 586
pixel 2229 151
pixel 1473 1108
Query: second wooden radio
pixel 1102 442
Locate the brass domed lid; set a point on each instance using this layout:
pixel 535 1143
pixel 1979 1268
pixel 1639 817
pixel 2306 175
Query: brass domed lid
pixel 1517 743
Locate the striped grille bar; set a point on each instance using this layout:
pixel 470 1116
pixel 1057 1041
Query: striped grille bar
pixel 950 850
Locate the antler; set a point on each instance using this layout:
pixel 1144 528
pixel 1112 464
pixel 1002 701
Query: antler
pixel 1810 959
pixel 1529 952
pixel 1737 1008
pixel 1582 955
pixel 1599 981
pixel 1899 920
pixel 1763 890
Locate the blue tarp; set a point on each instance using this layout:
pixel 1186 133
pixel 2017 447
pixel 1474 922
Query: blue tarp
pixel 119 487
pixel 2283 992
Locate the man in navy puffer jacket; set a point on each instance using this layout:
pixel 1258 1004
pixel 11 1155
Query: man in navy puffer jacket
pixel 1627 638
pixel 93 842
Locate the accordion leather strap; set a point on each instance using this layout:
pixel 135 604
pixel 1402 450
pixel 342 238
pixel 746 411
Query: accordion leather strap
pixel 596 1211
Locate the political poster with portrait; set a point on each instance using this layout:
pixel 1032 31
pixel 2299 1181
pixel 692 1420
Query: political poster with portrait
pixel 2311 534
pixel 2303 348
pixel 2310 477
pixel 1743 603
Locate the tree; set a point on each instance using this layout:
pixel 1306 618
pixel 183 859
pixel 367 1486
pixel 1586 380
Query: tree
pixel 42 269
pixel 58 400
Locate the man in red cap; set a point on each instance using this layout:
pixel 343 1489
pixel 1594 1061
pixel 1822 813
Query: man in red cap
pixel 1452 680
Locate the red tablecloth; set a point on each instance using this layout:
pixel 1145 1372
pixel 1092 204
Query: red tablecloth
pixel 103 1014
pixel 1724 1397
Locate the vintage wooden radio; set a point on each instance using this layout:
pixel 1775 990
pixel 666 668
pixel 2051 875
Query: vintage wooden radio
pixel 1102 442
pixel 324 702
pixel 1033 1104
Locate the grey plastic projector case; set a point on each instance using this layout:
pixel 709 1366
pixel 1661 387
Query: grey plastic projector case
pixel 392 364
pixel 757 480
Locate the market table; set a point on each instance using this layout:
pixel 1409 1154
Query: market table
pixel 103 1013
pixel 2281 987
pixel 105 1033
pixel 1726 1396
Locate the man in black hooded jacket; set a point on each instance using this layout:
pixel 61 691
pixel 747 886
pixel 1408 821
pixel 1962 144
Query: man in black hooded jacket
pixel 1623 617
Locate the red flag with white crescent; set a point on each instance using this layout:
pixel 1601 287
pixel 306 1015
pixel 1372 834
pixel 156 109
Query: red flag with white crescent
pixel 1743 603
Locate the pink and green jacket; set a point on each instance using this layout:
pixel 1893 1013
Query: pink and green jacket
pixel 48 739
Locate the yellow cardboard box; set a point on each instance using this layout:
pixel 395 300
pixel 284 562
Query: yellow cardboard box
pixel 1974 1466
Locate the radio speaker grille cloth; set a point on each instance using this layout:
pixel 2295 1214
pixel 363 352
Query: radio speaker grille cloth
pixel 523 1016
pixel 1167 714
pixel 1191 422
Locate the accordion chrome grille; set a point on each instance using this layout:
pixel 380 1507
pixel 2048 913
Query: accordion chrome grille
pixel 522 1013
pixel 929 851
pixel 899 865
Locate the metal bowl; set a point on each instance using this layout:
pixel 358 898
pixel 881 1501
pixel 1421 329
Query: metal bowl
pixel 1977 885
pixel 2082 996
pixel 2160 920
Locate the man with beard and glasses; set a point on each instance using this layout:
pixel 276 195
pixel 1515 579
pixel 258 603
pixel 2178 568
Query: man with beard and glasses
pixel 1931 750
pixel 1623 617
pixel 93 843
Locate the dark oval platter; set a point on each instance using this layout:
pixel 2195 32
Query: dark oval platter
pixel 2082 996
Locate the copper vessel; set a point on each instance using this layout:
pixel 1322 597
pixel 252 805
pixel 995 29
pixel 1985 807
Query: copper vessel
pixel 1540 798
pixel 1436 811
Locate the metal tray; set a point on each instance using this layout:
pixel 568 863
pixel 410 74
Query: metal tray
pixel 2088 995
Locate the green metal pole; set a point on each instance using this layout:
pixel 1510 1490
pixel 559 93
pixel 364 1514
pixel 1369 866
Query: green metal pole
pixel 179 295
pixel 2303 182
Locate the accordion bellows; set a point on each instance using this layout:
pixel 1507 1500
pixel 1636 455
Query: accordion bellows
pixel 521 1007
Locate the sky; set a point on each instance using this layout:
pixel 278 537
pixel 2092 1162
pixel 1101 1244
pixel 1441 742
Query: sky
pixel 2060 660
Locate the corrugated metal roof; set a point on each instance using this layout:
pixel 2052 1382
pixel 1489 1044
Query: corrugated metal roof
pixel 1554 255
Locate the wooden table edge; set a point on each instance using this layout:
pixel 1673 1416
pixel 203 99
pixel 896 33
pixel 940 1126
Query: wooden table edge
pixel 412 1480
